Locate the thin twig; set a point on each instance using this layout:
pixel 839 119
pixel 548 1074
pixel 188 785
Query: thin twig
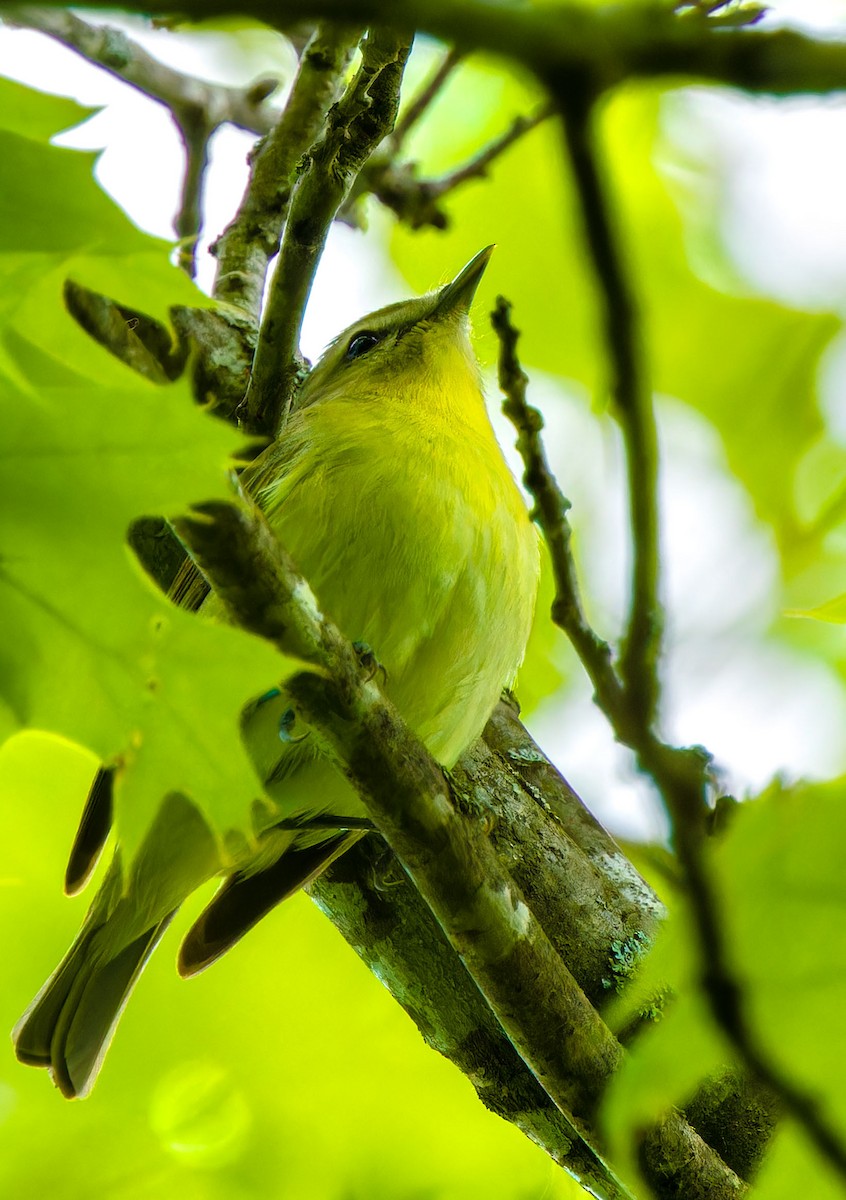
pixel 246 247
pixel 127 60
pixel 550 512
pixel 424 99
pixel 417 202
pixel 354 128
pixel 195 132
pixel 633 408
pixel 476 167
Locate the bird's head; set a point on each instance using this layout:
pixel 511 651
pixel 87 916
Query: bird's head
pixel 416 347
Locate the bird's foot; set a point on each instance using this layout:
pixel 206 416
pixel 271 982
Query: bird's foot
pixel 286 728
pixel 369 662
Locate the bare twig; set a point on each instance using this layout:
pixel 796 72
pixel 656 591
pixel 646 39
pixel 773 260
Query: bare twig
pixel 354 128
pixel 418 201
pixel 421 103
pixel 550 512
pixel 477 166
pixel 632 407
pixel 125 59
pixel 248 244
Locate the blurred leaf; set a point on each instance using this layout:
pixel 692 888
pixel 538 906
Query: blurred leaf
pixel 834 611
pixel 342 1096
pixel 36 115
pixel 783 899
pixel 95 242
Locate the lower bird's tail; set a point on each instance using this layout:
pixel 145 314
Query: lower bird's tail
pixel 70 1023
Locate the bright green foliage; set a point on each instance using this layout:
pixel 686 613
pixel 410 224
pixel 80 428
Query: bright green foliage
pixel 834 611
pixel 286 1072
pixel 97 655
pixel 783 892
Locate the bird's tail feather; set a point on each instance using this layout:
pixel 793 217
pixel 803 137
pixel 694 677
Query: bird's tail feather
pixel 69 1025
pixel 244 899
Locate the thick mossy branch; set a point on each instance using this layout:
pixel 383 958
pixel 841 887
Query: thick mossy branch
pixel 389 925
pixel 448 854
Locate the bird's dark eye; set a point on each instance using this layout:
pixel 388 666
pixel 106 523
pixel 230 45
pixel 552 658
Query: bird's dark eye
pixel 361 343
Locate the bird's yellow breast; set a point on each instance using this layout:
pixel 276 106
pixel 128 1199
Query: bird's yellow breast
pixel 405 520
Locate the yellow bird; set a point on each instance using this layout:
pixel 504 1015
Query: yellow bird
pixel 388 488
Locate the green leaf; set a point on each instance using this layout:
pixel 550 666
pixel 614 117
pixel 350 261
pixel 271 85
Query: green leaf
pixel 94 241
pixel 37 115
pixel 97 655
pixel 90 650
pixel 782 891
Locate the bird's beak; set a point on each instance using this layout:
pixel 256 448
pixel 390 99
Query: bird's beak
pixel 458 295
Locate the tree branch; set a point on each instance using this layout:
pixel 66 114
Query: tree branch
pixel 633 408
pixel 417 202
pixel 609 43
pixel 127 60
pixel 557 1032
pixel 598 911
pixel 247 245
pixel 354 128
pixel 389 925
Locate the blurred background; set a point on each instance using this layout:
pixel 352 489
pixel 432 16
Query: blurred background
pixel 287 1070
